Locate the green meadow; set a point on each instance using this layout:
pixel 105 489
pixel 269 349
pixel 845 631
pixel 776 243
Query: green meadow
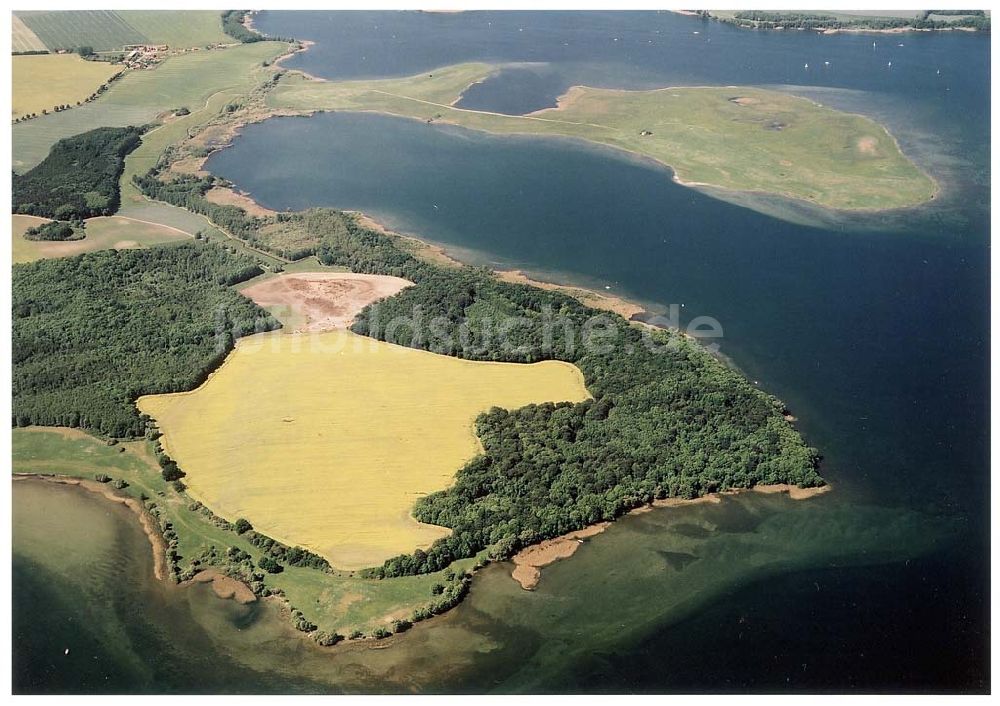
pixel 739 138
pixel 187 80
pixel 334 601
pixel 101 234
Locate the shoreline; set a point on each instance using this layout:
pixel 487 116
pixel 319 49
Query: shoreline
pixel 822 30
pixel 703 187
pixel 571 94
pixel 146 521
pixel 233 128
pixel 628 309
pixel 590 297
pixel 529 562
pixel 224 587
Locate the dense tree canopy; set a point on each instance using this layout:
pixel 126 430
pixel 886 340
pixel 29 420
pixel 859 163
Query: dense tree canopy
pixel 233 25
pixel 79 178
pixel 56 230
pixel 92 333
pixel 667 418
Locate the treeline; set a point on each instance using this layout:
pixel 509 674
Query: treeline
pixel 804 20
pixel 233 25
pixel 189 192
pixel 281 554
pixel 289 235
pixel 667 419
pixel 92 97
pixel 79 177
pixel 953 13
pixel 92 333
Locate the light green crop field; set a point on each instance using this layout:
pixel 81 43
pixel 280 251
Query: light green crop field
pixel 179 29
pixel 335 601
pixel 188 80
pixel 99 29
pixel 22 38
pixel 102 234
pixel 739 138
pixel 111 30
pixel 43 81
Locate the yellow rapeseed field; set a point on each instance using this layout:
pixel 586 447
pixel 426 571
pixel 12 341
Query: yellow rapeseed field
pixel 326 440
pixel 43 81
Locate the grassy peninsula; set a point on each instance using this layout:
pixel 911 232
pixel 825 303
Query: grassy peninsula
pixel 740 138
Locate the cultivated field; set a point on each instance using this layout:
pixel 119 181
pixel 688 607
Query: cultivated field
pixel 179 29
pixel 334 601
pixel 45 80
pixel 111 30
pixel 188 80
pixel 739 138
pixel 22 38
pixel 102 233
pixel 99 29
pixel 321 301
pixel 327 440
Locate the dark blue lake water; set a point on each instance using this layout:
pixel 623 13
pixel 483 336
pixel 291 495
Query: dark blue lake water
pixel 872 328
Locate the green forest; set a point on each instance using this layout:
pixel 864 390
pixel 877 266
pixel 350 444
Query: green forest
pixel 79 177
pixel 92 333
pixel 232 24
pixel 56 230
pixel 667 419
pixel 292 236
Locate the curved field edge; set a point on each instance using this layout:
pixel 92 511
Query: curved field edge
pixel 101 233
pixel 41 82
pixel 732 137
pixel 337 602
pixel 359 428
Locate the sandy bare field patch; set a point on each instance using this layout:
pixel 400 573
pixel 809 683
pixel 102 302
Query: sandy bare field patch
pixel 868 145
pixel 323 301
